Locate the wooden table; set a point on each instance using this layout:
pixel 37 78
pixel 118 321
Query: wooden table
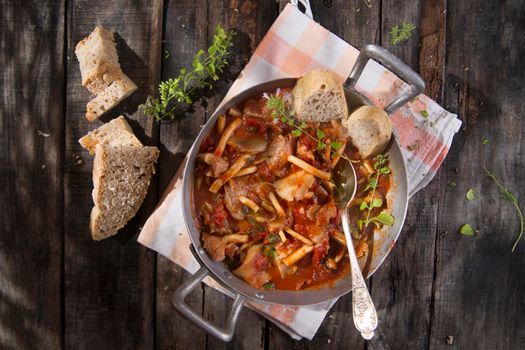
pixel 60 289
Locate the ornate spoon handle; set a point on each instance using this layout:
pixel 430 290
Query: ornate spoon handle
pixel 363 309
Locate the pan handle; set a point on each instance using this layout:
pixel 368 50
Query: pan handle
pixel 223 333
pixel 396 66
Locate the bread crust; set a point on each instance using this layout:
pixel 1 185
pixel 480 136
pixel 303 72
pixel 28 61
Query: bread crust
pixel 369 129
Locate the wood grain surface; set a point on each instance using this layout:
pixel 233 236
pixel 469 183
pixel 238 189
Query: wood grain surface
pixel 437 289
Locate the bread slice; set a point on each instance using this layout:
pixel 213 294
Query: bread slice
pixel 319 97
pixel 115 133
pixel 117 91
pixel 121 177
pixel 369 129
pixel 97 55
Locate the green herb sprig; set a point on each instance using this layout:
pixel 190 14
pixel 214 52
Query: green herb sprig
pixel 401 33
pixel 509 197
pixel 281 112
pixel 180 90
pixel 383 218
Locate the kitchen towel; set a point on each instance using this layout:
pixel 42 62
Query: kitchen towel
pixel 294 45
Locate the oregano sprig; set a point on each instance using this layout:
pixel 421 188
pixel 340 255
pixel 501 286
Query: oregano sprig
pixel 206 67
pixel 509 197
pixel 280 111
pixel 401 33
pixel 382 218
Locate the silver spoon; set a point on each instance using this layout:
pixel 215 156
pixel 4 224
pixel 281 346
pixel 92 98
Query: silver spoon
pixel 363 309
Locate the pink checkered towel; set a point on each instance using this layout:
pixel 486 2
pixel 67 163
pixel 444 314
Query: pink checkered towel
pixel 294 45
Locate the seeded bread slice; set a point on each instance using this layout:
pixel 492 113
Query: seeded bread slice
pixel 121 177
pixel 369 129
pixel 319 97
pixel 117 91
pixel 116 133
pixel 97 55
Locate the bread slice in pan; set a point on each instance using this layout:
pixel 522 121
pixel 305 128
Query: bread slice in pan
pixel 115 133
pixel 101 72
pixel 369 129
pixel 117 91
pixel 121 177
pixel 319 97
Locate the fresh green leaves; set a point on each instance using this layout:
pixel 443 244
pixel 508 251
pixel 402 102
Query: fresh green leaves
pixel 470 195
pixel 401 33
pixel 424 113
pixel 273 238
pixel 280 111
pixel 269 251
pixel 466 230
pixel 485 141
pixel 452 184
pixel 510 197
pixel 384 218
pixel 178 91
pixel 269 285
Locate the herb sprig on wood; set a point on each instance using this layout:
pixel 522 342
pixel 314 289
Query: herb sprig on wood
pixel 509 197
pixel 175 92
pixel 401 33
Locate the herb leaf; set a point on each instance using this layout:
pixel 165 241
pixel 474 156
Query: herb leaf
pixel 466 230
pixel 175 92
pixel 471 195
pixel 383 218
pixel 401 33
pixel 452 184
pixel 273 238
pixel 269 285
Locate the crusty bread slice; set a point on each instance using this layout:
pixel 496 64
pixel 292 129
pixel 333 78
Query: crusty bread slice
pixel 97 55
pixel 121 177
pixel 369 129
pixel 319 97
pixel 117 91
pixel 115 133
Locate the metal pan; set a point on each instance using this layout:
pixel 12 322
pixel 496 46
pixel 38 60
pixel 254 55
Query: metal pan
pixel 383 240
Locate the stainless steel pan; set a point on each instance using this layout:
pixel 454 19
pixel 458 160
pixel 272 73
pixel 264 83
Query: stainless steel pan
pixel 383 241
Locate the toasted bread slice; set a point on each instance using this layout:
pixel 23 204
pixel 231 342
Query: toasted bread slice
pixel 117 91
pixel 369 129
pixel 319 97
pixel 121 177
pixel 97 55
pixel 115 133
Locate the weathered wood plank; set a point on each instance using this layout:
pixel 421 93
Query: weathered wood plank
pixel 250 20
pixel 109 285
pixel 357 24
pixel 402 299
pixel 185 32
pixel 479 283
pixel 31 163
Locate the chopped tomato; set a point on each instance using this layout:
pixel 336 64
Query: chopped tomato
pixel 219 214
pixel 320 251
pixel 264 172
pixel 261 262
